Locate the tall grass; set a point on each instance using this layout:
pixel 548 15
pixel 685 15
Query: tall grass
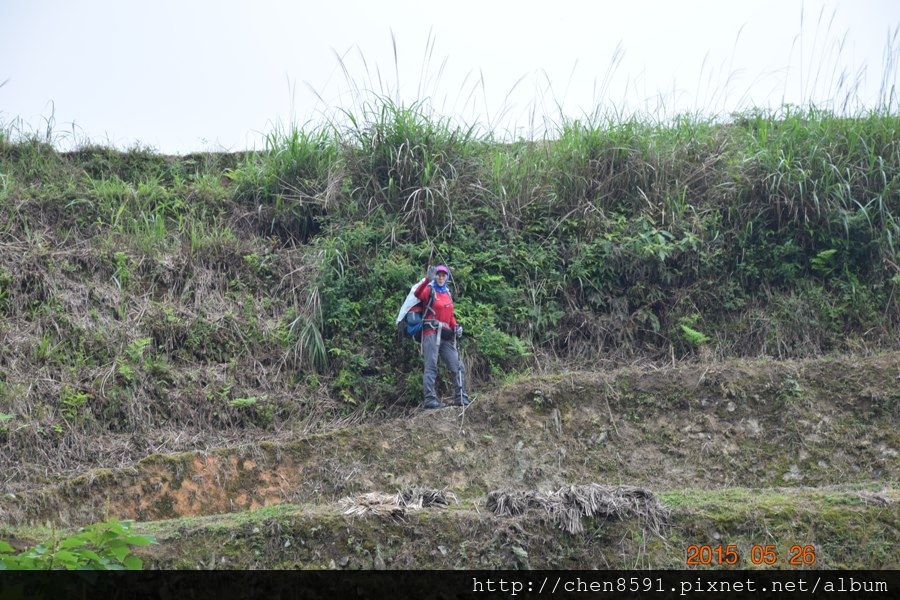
pixel 292 184
pixel 402 160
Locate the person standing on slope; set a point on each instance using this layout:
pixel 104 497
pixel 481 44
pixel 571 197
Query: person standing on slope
pixel 440 333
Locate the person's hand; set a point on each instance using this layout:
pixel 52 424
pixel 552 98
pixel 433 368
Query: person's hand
pixel 430 274
pixel 458 331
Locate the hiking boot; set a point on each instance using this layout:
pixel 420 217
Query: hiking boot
pixel 432 404
pixel 465 402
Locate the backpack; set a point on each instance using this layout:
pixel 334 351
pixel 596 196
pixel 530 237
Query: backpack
pixel 412 323
pixel 409 319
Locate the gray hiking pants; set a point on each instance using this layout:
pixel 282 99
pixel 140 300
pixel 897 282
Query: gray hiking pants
pixel 432 345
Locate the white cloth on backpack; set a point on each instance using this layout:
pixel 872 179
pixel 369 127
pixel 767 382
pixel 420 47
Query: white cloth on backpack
pixel 410 301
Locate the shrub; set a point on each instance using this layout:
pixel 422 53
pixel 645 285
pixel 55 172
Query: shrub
pixel 103 546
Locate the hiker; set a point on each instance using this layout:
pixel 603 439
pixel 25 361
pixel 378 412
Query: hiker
pixel 440 334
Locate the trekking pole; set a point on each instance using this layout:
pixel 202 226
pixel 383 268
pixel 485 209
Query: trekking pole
pixel 459 372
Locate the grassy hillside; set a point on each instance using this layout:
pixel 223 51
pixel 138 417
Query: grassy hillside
pixel 153 305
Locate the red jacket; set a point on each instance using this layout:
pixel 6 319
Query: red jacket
pixel 441 308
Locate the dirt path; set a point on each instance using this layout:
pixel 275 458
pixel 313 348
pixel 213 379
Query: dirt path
pixel 743 424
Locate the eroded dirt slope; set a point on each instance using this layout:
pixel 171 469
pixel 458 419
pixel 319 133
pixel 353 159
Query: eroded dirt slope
pixel 757 424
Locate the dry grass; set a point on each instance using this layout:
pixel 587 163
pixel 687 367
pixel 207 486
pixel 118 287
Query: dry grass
pixel 397 505
pixel 568 506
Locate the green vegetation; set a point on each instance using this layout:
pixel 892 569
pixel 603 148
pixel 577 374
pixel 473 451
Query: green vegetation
pixel 139 280
pixel 105 546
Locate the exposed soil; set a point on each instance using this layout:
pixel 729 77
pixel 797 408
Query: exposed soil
pixel 820 426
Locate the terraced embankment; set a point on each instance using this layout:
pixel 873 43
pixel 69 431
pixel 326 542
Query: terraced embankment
pixel 800 455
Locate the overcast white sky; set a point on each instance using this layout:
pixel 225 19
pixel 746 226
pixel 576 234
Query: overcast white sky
pixel 189 75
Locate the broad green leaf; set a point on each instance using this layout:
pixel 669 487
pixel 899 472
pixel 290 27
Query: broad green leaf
pixel 73 542
pixel 119 552
pixel 91 555
pixel 69 559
